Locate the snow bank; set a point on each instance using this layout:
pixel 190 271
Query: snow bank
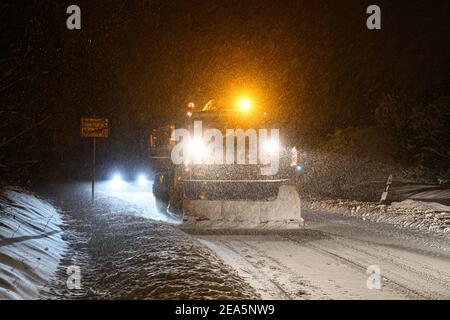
pixel 419 206
pixel 425 216
pixel 30 244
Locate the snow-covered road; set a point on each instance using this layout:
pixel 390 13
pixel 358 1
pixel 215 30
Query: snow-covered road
pixel 140 199
pixel 123 254
pixel 330 259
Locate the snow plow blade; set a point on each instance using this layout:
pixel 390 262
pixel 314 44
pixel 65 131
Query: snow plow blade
pixel 282 213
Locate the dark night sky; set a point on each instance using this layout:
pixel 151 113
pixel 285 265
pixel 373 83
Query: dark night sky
pixel 314 63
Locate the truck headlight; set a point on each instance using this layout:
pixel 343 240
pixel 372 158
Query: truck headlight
pixel 272 147
pixel 196 148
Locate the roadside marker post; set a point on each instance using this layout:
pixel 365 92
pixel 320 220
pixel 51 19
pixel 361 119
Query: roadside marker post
pixel 384 195
pixel 94 128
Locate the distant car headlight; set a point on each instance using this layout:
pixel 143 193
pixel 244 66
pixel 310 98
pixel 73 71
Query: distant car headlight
pixel 142 181
pixel 117 181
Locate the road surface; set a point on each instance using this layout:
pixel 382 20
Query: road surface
pixel 125 249
pixel 330 259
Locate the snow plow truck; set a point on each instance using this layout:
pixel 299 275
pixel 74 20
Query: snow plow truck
pixel 234 188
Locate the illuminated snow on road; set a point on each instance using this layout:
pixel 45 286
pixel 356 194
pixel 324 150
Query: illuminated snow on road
pixel 138 195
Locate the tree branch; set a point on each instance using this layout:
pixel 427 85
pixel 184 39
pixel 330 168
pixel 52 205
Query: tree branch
pixel 4 143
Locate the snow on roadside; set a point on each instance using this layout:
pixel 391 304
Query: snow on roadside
pixel 123 255
pixel 31 246
pixel 424 216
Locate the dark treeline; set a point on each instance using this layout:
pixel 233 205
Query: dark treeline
pixel 313 63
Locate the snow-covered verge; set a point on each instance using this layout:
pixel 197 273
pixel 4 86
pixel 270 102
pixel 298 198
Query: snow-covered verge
pixel 355 163
pixel 424 216
pixel 31 246
pixel 123 255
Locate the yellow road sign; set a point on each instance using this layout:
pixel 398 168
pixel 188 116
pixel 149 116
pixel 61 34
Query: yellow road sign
pixel 94 127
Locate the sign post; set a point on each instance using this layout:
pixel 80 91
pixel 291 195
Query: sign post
pixel 94 128
pixel 94 140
